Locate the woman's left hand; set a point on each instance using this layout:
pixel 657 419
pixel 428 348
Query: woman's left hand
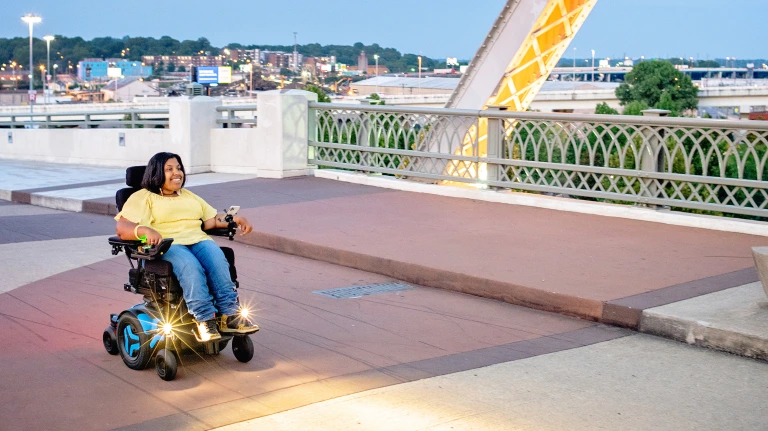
pixel 243 224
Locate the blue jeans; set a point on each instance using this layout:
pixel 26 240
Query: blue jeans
pixel 203 273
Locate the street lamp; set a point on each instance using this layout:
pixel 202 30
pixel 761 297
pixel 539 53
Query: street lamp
pixel 48 38
pixel 593 65
pixel 31 20
pixel 574 64
pixel 376 57
pixel 419 80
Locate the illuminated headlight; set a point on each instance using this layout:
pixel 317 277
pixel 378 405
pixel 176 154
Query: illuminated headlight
pixel 244 312
pixel 168 329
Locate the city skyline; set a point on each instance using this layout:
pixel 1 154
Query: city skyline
pixel 662 28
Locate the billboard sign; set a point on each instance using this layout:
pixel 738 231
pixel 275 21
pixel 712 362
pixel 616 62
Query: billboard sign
pixel 225 75
pixel 114 72
pixel 214 74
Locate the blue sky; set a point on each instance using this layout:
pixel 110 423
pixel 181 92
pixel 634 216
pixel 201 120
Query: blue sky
pixel 436 28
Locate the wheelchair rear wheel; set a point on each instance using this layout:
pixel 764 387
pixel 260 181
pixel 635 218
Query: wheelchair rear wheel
pixel 133 342
pixel 242 347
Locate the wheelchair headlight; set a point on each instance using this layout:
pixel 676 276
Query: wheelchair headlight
pixel 168 329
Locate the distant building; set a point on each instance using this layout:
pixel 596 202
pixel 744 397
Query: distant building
pixel 404 86
pixel 125 89
pixel 183 60
pixel 362 61
pixel 96 69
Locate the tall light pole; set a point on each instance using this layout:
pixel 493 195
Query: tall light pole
pixel 48 38
pixel 419 80
pixel 31 20
pixel 376 57
pixel 574 64
pixel 593 65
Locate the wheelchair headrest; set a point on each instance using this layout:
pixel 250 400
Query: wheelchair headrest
pixel 134 175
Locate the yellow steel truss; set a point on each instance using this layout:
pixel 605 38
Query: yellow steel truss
pixel 530 67
pixel 539 54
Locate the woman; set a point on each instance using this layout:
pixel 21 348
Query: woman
pixel 164 209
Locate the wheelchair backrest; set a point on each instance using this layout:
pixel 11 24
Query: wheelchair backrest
pixel 133 177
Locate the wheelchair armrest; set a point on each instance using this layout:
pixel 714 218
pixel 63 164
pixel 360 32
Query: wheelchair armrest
pixel 228 231
pixel 220 231
pixel 137 249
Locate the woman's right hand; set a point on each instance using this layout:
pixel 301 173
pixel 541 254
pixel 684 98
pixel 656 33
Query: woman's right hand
pixel 153 238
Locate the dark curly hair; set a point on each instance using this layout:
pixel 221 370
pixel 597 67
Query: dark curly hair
pixel 154 175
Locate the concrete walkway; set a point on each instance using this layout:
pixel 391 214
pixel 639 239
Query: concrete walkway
pixel 419 358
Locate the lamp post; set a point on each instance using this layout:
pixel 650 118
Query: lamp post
pixel 55 66
pixel 593 65
pixel 48 38
pixel 42 76
pixel 419 80
pixel 31 20
pixel 574 64
pixel 376 57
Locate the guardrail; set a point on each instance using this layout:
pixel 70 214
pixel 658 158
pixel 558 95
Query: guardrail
pixel 232 120
pixel 128 118
pixel 701 165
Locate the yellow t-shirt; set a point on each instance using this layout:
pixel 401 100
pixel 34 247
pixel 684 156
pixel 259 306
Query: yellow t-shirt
pixel 172 217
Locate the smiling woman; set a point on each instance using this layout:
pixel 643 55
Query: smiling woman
pixel 164 209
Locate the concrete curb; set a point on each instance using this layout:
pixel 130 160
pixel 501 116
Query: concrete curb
pixel 554 203
pixel 700 333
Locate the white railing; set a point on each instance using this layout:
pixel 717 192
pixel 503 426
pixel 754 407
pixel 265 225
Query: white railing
pixel 127 118
pixel 703 165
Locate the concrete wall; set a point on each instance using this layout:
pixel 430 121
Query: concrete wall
pixel 276 148
pixel 85 146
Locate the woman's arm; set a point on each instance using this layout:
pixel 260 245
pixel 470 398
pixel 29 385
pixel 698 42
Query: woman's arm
pixel 126 230
pixel 242 223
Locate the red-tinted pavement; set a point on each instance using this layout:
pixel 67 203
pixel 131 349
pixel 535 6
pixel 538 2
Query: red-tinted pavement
pixel 56 374
pixel 599 268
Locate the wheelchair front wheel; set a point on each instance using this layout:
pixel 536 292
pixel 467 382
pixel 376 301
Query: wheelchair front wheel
pixel 166 365
pixel 242 347
pixel 133 342
pixel 110 343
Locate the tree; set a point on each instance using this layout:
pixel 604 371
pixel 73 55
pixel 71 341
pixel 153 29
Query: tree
pixel 171 68
pixel 321 96
pixel 605 109
pixel 665 102
pixel 635 107
pixel 648 80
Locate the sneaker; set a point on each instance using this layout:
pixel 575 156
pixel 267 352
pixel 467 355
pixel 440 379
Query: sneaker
pixel 240 324
pixel 207 331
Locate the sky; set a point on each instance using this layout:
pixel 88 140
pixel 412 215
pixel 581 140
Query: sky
pixel 434 28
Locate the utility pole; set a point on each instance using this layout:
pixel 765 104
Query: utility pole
pixel 295 54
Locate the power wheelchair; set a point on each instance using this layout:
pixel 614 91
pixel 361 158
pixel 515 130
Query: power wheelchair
pixel 161 327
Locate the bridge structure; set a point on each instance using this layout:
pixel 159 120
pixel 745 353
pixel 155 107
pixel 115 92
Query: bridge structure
pixel 589 231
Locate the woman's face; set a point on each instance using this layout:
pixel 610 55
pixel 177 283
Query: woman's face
pixel 174 177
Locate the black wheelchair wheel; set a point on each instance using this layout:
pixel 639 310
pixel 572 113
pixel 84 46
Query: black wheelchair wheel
pixel 166 365
pixel 242 347
pixel 133 342
pixel 223 344
pixel 110 343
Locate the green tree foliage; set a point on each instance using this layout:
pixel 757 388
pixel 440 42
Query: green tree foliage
pixel 605 109
pixel 321 96
pixel 74 49
pixel 648 80
pixel 635 107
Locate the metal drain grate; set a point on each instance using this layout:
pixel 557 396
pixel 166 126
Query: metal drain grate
pixel 367 289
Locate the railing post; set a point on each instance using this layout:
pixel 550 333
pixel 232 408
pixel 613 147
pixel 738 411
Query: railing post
pixel 133 119
pixel 230 117
pixel 651 157
pixel 493 148
pixel 13 121
pixel 87 121
pixel 312 135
